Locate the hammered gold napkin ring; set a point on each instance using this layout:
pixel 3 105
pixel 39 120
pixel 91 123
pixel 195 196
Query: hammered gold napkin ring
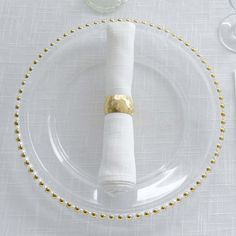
pixel 119 103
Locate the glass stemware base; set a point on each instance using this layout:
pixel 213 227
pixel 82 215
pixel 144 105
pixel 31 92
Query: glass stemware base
pixel 227 32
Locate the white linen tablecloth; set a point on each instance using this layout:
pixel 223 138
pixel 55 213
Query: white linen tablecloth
pixel 26 26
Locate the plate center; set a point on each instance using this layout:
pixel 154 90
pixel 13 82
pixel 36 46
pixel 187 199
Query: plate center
pixel 76 125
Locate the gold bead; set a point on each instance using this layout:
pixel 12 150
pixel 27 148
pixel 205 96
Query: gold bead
pixel 223 122
pixel 204 176
pixel 30 68
pixel 155 211
pixel 27 76
pixel 171 203
pixel 72 31
pixel 26 162
pixel 61 200
pixel 216 154
pixel 35 177
pixel 208 68
pixel 222 114
pixel 93 214
pixel 54 195
pixel 213 76
pixel 77 209
pixel 186 194
pixel 35 62
pixel 219 146
pixel 65 35
pixel 193 49
pixel 23 82
pixel 213 161
pixel 221 138
pixel 23 155
pixel 31 170
pixel 102 216
pixel 17 131
pixel 192 189
pixel 178 199
pixel 40 55
pixel 52 44
pixel 58 39
pixel 68 204
pixel 163 207
pixel 187 44
pixel 216 82
pixel 45 49
pixel 41 183
pixel 208 169
pixel 111 217
pixel 222 130
pixel 221 97
pixel 18 98
pixel 85 212
pixel 129 217
pixel 138 215
pixel 119 217
pixel 198 182
pixel 47 189
pixel 146 213
pixel 222 105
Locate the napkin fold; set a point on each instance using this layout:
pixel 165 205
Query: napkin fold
pixel 118 171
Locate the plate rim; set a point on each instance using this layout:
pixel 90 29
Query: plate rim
pixel 134 215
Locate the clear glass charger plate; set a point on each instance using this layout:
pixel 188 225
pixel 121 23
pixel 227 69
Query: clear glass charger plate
pixel 178 123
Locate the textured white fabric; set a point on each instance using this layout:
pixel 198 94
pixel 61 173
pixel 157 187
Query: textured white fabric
pixel 118 172
pixel 235 83
pixel 120 58
pixel 28 26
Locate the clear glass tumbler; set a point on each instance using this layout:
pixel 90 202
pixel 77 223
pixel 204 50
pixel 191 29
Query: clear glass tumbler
pixel 105 6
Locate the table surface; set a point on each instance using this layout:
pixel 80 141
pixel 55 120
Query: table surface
pixel 26 27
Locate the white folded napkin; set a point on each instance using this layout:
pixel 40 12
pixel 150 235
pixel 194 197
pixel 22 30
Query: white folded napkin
pixel 118 171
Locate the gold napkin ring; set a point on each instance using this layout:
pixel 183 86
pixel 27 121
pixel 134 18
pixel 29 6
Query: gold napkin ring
pixel 119 103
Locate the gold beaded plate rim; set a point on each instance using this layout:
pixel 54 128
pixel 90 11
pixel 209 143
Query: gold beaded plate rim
pixel 103 215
